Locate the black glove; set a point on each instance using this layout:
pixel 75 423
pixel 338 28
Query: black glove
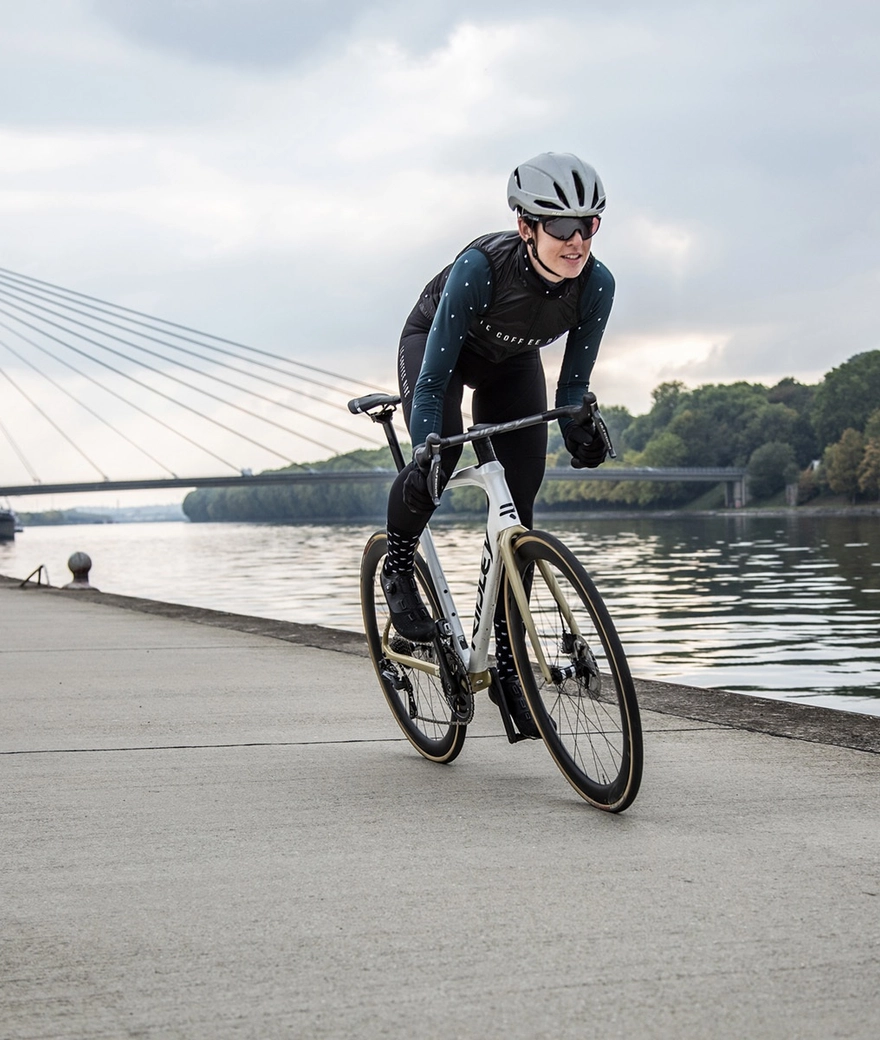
pixel 416 496
pixel 585 445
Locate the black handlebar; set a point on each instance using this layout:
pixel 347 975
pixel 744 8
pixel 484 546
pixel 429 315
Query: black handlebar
pixel 586 414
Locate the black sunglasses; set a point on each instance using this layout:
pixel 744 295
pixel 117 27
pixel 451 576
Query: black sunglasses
pixel 565 228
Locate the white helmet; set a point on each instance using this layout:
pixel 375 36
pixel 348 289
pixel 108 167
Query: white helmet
pixel 556 184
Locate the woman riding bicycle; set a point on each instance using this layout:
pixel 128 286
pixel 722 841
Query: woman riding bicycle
pixel 481 323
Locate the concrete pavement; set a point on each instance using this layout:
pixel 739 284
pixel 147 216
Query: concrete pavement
pixel 212 829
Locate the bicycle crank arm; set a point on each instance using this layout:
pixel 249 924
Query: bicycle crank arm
pixel 496 696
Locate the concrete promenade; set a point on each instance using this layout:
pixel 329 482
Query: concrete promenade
pixel 211 828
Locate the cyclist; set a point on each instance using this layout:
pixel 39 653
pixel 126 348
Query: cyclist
pixel 481 323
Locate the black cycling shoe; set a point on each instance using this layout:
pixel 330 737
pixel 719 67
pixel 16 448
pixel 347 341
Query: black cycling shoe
pixel 409 615
pixel 516 705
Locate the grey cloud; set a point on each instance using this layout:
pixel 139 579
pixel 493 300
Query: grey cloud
pixel 278 34
pixel 265 33
pixel 751 126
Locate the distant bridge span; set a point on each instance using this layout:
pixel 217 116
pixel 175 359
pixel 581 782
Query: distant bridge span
pixel 734 480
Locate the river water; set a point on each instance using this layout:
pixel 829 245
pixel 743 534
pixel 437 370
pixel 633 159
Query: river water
pixel 778 607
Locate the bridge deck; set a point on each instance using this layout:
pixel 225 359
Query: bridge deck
pixel 715 475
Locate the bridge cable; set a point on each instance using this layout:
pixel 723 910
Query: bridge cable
pixel 353 455
pixel 20 454
pixel 146 386
pixel 91 411
pixel 193 354
pixel 118 396
pixel 157 371
pixel 187 328
pixel 43 294
pixel 60 291
pixel 180 364
pixel 52 422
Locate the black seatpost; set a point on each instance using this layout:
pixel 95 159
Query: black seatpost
pixel 385 419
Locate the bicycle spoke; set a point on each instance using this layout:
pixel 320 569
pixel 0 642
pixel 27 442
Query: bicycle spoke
pixel 417 696
pixel 586 710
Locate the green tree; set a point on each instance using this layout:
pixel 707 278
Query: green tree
pixel 664 449
pixel 771 467
pixel 808 485
pixel 847 397
pixel 666 398
pixel 872 426
pixel 716 421
pixel 841 463
pixel 869 468
pixel 798 397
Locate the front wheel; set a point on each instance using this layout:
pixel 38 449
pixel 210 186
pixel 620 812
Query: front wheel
pixel 574 673
pixel 421 681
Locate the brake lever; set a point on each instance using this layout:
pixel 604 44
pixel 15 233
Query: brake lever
pixel 602 427
pixel 590 411
pixel 432 444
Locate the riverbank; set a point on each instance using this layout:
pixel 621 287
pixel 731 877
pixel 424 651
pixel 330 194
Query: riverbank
pixel 744 511
pixel 757 605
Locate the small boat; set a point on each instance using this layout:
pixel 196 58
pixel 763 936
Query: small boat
pixel 8 525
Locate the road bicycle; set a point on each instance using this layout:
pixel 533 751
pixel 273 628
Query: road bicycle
pixel 569 659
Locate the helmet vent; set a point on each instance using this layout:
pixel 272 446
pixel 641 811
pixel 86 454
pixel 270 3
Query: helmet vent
pixel 560 194
pixel 595 196
pixel 579 187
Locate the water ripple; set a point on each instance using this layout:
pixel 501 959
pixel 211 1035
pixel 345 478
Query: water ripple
pixel 780 608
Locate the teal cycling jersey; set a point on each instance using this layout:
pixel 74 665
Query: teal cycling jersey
pixel 492 302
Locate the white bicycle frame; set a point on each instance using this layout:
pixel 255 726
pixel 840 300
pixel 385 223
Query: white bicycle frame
pixel 502 528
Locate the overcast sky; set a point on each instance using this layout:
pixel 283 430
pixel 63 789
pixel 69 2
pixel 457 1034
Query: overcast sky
pixel 290 173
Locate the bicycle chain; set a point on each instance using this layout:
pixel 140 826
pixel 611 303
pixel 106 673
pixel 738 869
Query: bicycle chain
pixel 453 679
pixel 456 687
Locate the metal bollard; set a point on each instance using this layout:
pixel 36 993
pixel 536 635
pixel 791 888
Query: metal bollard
pixel 80 564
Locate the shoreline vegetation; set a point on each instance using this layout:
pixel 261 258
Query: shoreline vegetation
pixel 100 515
pixel 833 506
pixel 800 444
pixel 805 448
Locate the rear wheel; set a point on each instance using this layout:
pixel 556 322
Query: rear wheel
pixel 574 674
pixel 421 681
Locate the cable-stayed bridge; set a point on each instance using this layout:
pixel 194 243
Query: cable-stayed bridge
pixel 97 388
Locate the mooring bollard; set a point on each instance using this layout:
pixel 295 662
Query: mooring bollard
pixel 80 564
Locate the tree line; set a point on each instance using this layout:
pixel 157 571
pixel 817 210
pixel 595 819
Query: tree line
pixel 823 438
